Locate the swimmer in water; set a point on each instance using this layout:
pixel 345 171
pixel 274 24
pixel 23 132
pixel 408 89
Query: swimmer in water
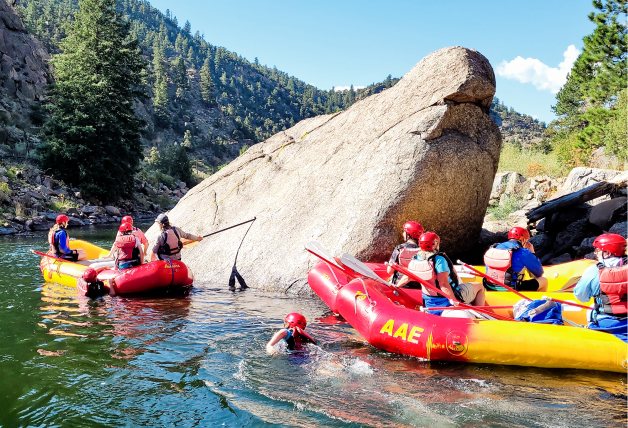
pixel 293 333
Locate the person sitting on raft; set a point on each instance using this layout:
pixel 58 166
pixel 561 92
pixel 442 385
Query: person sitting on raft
pixel 59 241
pixel 136 232
pixel 293 332
pixel 506 263
pixel 128 249
pixel 169 245
pixel 437 269
pixel 607 283
pixel 404 252
pixel 88 284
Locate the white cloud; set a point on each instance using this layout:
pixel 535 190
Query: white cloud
pixel 543 77
pixel 346 88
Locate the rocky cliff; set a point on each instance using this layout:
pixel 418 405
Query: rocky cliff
pixel 23 77
pixel 424 150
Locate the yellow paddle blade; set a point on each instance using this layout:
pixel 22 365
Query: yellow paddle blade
pixel 188 243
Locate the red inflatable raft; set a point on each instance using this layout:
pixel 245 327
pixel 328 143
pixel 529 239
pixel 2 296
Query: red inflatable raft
pixel 391 320
pixel 163 275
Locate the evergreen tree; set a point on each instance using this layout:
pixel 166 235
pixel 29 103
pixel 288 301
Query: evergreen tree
pixel 207 83
pixel 93 134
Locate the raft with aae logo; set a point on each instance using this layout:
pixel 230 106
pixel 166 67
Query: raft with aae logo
pixel 391 320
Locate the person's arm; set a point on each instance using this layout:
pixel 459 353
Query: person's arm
pixel 158 243
pixel 528 246
pixel 186 235
pixel 281 334
pixel 532 263
pixel 583 290
pixel 402 281
pixel 138 245
pixel 393 259
pixel 63 243
pixel 113 247
pixel 442 276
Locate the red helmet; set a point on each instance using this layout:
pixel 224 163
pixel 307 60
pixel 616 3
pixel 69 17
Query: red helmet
pixel 127 219
pixel 611 242
pixel 295 319
pixel 518 233
pixel 414 229
pixel 125 227
pixel 90 275
pixel 62 218
pixel 429 241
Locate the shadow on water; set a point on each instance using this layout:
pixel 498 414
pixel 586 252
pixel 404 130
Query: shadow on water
pixel 199 360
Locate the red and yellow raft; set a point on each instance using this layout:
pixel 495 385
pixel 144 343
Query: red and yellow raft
pixel 394 323
pixel 157 275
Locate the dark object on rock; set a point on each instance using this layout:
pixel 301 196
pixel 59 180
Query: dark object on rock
pixel 560 259
pixel 559 221
pixel 571 236
pixel 543 244
pixel 620 229
pixel 607 213
pixel 594 191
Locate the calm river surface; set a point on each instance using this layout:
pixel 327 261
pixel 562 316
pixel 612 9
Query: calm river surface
pixel 199 361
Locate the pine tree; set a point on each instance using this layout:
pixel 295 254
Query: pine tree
pixel 207 83
pixel 160 89
pixel 93 134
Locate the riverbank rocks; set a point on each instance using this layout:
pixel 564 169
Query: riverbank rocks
pixel 425 150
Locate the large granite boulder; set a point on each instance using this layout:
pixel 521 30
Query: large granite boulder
pixel 425 149
pixel 581 177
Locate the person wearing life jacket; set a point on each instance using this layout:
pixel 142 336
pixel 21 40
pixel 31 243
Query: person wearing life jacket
pixel 506 262
pixel 437 269
pixel 607 283
pixel 404 252
pixel 169 245
pixel 128 250
pixel 88 284
pixel 59 241
pixel 136 232
pixel 293 332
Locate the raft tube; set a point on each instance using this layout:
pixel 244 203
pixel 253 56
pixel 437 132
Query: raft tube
pixel 393 322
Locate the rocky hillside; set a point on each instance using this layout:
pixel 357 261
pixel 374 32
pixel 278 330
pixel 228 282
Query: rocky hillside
pixel 215 101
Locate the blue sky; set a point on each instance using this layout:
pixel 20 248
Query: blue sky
pixel 339 43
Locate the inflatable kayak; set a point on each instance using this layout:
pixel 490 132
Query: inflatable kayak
pixel 393 322
pixel 158 275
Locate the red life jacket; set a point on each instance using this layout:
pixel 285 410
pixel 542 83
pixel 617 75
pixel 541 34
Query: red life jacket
pixel 406 254
pixel 613 290
pixel 172 244
pixel 499 266
pixel 127 251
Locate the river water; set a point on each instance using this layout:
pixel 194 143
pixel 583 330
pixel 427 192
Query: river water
pixel 199 361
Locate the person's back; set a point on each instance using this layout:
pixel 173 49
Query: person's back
pixel 607 283
pixel 506 262
pixel 168 245
pixel 128 248
pixel 405 251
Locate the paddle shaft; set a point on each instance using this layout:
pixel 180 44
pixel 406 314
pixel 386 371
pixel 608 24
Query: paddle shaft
pixel 39 253
pixel 230 227
pixel 406 272
pixel 501 284
pixel 341 267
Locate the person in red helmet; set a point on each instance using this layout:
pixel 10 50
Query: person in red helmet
pixel 607 283
pixel 88 284
pixel 136 232
pixel 508 261
pixel 293 332
pixel 438 270
pixel 59 241
pixel 128 250
pixel 404 252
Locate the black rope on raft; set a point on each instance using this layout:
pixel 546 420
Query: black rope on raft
pixel 234 270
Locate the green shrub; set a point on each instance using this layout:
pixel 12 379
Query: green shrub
pixel 163 201
pixel 5 189
pixel 525 161
pixel 510 205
